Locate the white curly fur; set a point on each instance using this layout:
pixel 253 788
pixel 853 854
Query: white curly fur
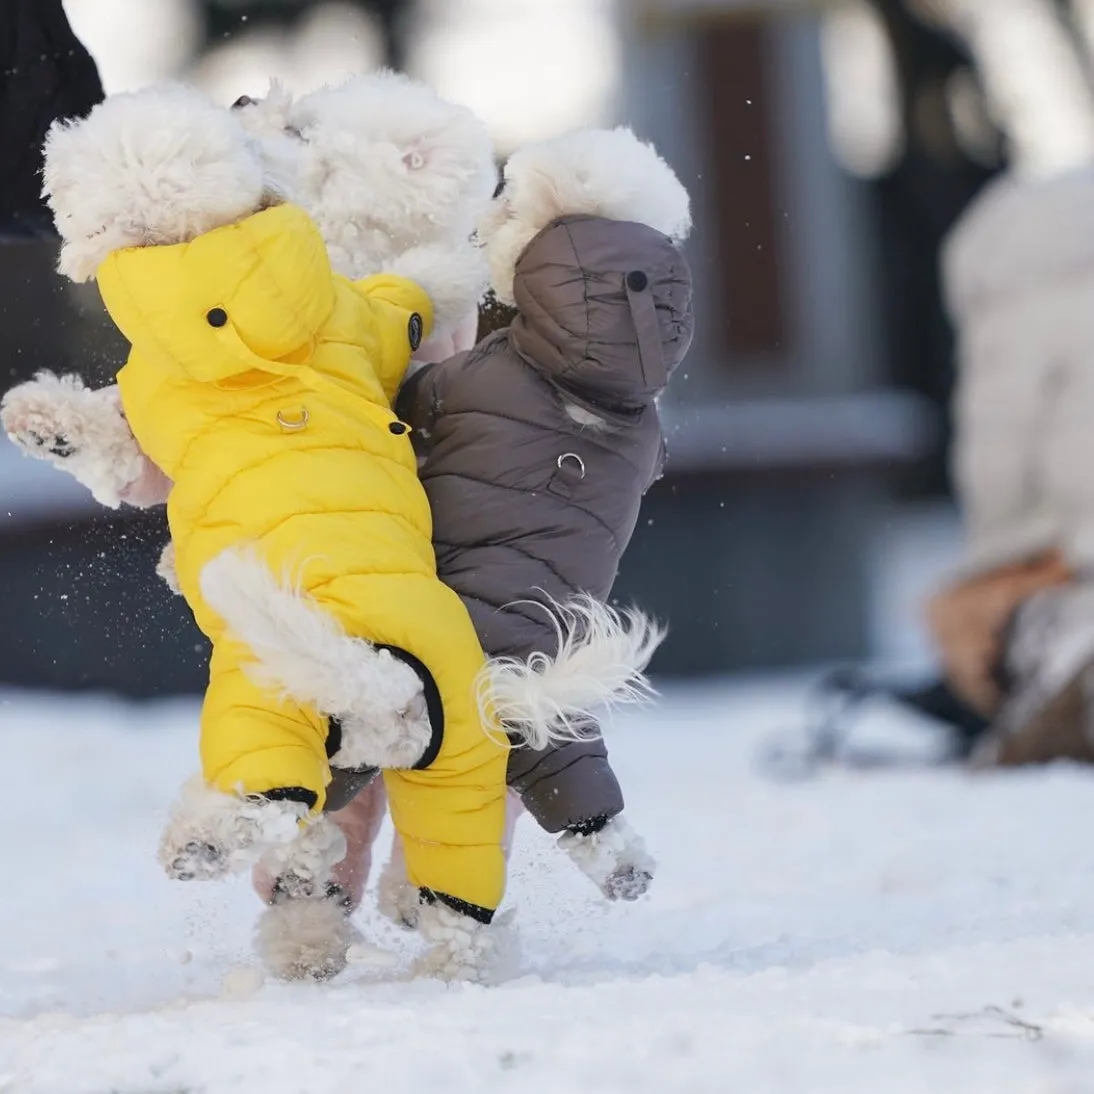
pixel 387 165
pixel 607 173
pixel 394 176
pixel 158 166
pixel 166 570
pixel 305 939
pixel 211 834
pixel 81 431
pixel 461 948
pixel 601 661
pixel 309 859
pixel 454 277
pixel 302 652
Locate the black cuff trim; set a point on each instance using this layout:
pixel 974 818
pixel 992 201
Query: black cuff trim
pixel 434 706
pixel 588 827
pixel 292 794
pixel 472 911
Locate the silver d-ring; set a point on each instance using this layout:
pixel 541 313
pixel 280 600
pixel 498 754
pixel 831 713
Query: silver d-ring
pixel 576 458
pixel 293 425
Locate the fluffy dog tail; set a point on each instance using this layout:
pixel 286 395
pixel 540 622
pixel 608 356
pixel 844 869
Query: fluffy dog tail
pixel 601 661
pixel 300 650
pixel 302 653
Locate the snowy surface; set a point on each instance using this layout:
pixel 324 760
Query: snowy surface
pixel 849 933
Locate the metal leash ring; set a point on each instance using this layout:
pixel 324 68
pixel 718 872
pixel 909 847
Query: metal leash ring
pixel 290 425
pixel 576 458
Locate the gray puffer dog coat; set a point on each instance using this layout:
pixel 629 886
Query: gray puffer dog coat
pixel 538 445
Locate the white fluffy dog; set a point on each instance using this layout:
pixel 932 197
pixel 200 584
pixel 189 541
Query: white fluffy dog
pixel 427 166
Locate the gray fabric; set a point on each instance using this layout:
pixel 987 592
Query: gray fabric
pixel 345 785
pixel 526 501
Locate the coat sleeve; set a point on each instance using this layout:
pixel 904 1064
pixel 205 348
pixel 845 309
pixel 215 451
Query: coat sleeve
pixel 403 315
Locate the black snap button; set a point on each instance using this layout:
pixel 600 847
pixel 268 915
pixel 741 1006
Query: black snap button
pixel 398 428
pixel 216 317
pixel 637 281
pixel 414 331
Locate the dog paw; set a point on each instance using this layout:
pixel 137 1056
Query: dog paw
pixel 305 938
pixel 627 883
pixel 61 420
pixel 211 834
pixel 461 948
pixel 614 859
pixel 196 861
pixel 303 866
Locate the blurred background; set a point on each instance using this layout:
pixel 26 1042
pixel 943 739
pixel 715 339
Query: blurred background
pixel 828 146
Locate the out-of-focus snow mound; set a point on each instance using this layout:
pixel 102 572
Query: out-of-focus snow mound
pixel 910 929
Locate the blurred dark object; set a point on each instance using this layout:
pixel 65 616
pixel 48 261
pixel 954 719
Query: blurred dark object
pixel 917 202
pixel 226 18
pixel 45 74
pixel 753 545
pixel 84 610
pixel 83 607
pixel 834 707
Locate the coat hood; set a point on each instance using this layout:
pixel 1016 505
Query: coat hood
pixel 247 296
pixel 604 310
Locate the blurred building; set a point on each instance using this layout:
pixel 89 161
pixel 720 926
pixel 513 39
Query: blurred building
pixel 828 148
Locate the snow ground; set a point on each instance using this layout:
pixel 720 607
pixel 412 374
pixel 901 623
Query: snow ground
pixel 807 937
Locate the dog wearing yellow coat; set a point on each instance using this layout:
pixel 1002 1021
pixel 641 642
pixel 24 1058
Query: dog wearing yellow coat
pixel 261 385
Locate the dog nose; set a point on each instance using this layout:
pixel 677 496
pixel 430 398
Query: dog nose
pixel 242 101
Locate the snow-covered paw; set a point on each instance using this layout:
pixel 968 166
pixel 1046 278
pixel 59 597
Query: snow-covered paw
pixel 193 861
pixel 307 938
pixel 303 866
pixel 61 420
pixel 211 834
pixel 615 859
pixel 461 948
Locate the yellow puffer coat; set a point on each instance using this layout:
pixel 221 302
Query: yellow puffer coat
pixel 261 384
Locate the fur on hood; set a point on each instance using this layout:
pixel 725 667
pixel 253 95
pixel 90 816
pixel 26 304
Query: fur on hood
pixel 606 173
pixel 158 166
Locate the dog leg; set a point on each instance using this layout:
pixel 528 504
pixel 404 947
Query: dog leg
pixel 305 938
pixel 396 898
pixel 302 652
pixel 461 948
pixel 614 858
pixel 84 432
pixel 303 867
pixel 211 834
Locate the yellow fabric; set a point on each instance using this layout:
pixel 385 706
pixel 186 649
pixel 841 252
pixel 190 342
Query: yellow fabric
pixel 337 502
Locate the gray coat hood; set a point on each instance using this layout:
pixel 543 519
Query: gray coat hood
pixel 604 310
